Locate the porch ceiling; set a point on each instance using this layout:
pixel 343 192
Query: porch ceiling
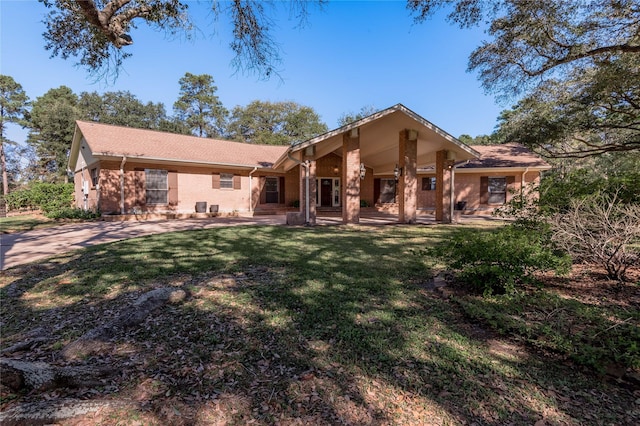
pixel 379 135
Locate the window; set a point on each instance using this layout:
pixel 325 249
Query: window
pixel 497 190
pixel 387 190
pixel 94 176
pixel 429 183
pixel 156 185
pixel 226 180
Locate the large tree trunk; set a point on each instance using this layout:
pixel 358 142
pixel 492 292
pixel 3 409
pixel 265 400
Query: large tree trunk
pixel 52 412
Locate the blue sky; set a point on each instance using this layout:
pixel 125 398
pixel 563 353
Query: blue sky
pixel 350 54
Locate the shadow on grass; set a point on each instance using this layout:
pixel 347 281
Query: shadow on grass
pixel 322 326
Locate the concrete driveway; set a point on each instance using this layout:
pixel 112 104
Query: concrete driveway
pixel 25 247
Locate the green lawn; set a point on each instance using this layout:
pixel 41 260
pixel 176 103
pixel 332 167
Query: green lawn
pixel 284 325
pixel 23 223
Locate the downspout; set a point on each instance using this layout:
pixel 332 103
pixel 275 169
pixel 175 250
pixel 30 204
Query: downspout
pixel 306 178
pixel 124 160
pixel 526 170
pixel 251 188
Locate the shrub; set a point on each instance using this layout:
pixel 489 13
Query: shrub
pixel 72 213
pixel 496 262
pixel 48 197
pixel 601 229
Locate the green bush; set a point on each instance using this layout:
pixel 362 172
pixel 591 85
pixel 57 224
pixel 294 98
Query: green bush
pixel 496 262
pixel 72 213
pixel 51 198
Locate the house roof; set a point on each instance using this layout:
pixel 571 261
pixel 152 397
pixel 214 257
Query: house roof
pixel 378 133
pixel 379 140
pixel 106 140
pixel 505 155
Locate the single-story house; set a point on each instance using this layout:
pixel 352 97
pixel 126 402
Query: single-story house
pixel 393 160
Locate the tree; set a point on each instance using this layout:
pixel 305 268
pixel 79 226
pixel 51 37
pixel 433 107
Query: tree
pixel 121 108
pixel 97 30
pixel 492 139
pixel 350 117
pixel 274 123
pixel 199 106
pixel 52 125
pixel 576 64
pixel 13 108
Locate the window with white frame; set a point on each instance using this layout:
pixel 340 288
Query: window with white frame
pixel 497 190
pixel 94 176
pixel 226 180
pixel 156 186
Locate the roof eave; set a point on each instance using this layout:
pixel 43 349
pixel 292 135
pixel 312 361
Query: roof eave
pixel 104 156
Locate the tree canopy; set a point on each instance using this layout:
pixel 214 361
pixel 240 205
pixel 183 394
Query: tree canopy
pixel 199 107
pixel 350 117
pixel 96 31
pixel 576 64
pixel 13 109
pixel 274 123
pixel 52 124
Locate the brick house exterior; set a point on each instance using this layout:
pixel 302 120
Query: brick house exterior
pixel 393 160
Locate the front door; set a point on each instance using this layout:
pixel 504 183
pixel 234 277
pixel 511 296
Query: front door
pixel 326 192
pixel 271 190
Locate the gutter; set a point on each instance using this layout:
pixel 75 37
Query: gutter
pixel 305 164
pixel 124 160
pixel 251 188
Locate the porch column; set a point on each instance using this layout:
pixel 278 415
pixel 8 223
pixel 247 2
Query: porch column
pixel 408 182
pixel 351 170
pixel 443 187
pixel 312 189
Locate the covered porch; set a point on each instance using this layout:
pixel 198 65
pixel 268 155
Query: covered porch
pixel 387 147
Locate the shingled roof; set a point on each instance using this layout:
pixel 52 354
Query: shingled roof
pixel 506 155
pixel 106 140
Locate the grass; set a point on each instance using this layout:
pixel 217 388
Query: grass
pixel 326 325
pixel 21 223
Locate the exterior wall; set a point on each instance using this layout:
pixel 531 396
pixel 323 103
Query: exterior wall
pixel 90 202
pixel 468 188
pixel 189 186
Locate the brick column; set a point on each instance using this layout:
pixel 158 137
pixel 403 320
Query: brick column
pixel 408 182
pixel 351 184
pixel 312 190
pixel 443 188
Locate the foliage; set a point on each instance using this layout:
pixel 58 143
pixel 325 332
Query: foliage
pixel 72 213
pixel 576 62
pixel 52 125
pixel 610 173
pixel 524 208
pixel 350 117
pixel 591 334
pixel 96 31
pixel 81 29
pixel 274 123
pixel 121 108
pixel 52 198
pixel 481 139
pixel 599 229
pixel 199 106
pixel 13 109
pixel 497 262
